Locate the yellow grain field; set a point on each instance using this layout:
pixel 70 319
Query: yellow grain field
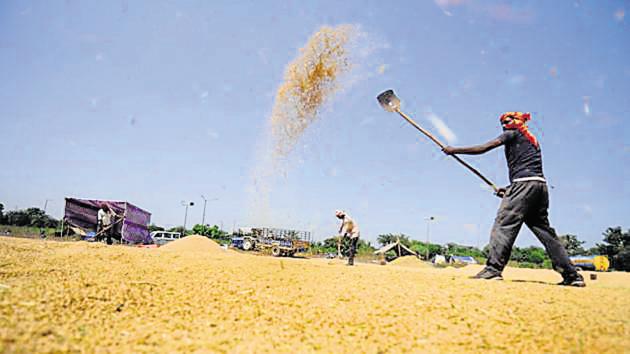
pixel 196 297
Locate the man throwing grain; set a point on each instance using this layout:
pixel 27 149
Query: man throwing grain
pixel 349 228
pixel 526 200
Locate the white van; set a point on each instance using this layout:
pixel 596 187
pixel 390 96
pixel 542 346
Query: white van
pixel 162 237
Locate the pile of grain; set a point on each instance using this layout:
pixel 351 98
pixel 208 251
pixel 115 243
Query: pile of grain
pixel 65 297
pixel 193 243
pixel 410 261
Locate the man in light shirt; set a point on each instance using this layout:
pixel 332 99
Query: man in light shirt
pixel 350 229
pixel 105 222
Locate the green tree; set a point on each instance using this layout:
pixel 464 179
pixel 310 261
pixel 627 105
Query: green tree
pixel 18 218
pixel 1 213
pixel 153 227
pixel 572 244
pixel 617 247
pixel 179 229
pixel 535 255
pixel 622 259
pixel 213 232
pixel 527 257
pixel 203 230
pixel 218 234
pixel 30 217
pixel 386 239
pixel 421 248
pixel 459 250
pixel 330 244
pixel 593 251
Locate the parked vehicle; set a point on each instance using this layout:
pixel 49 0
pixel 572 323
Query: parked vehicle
pixel 279 242
pixel 596 263
pixel 163 237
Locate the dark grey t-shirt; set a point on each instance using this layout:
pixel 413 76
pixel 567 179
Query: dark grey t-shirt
pixel 523 158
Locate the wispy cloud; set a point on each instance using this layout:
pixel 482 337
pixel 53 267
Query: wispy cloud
pixel 587 105
pixel 508 13
pixel 620 15
pixel 517 80
pixel 212 134
pixel 501 12
pixel 446 4
pixel 449 3
pixel 442 128
pixel 471 228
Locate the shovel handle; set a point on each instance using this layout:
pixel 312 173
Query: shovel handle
pixel 442 146
pixel 429 135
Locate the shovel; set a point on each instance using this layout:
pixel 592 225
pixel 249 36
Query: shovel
pixel 391 103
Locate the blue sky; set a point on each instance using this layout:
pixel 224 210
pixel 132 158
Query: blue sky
pixel 158 102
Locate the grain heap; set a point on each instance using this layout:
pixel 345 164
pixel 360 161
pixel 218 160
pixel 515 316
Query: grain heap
pixel 65 297
pixel 193 243
pixel 410 261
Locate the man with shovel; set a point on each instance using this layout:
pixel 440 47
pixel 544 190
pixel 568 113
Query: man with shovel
pixel 526 200
pixel 106 220
pixel 349 228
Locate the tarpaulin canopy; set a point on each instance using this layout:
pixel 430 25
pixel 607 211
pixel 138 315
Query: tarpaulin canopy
pixel 398 248
pixel 82 213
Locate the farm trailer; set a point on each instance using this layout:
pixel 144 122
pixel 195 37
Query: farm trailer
pixel 279 242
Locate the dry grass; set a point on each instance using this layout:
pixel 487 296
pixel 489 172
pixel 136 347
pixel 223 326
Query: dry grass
pixel 58 297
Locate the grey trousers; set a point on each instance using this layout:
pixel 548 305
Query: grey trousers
pixel 526 202
pixel 353 249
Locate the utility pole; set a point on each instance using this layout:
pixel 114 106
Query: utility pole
pixel 186 204
pixel 429 219
pixel 205 201
pixel 46 205
pixel 203 217
pixel 42 229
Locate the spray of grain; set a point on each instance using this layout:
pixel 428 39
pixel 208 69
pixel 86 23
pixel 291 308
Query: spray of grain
pixel 310 81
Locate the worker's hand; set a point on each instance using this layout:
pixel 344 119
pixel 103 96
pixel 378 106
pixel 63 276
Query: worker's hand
pixel 500 192
pixel 449 150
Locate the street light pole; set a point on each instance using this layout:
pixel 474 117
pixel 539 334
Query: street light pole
pixel 46 205
pixel 186 204
pixel 205 201
pixel 203 218
pixel 429 219
pixel 42 231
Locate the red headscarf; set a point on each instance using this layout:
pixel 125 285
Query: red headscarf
pixel 518 122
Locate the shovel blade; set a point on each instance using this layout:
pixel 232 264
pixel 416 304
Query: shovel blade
pixel 389 101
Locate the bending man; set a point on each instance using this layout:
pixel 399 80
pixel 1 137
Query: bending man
pixel 526 200
pixel 349 228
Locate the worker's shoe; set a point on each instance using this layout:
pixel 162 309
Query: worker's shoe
pixel 488 274
pixel 573 280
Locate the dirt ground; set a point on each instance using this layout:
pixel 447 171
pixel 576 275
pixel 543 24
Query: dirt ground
pixel 198 297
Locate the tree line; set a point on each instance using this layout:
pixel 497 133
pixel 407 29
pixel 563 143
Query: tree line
pixel 33 217
pixel 615 242
pixel 615 245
